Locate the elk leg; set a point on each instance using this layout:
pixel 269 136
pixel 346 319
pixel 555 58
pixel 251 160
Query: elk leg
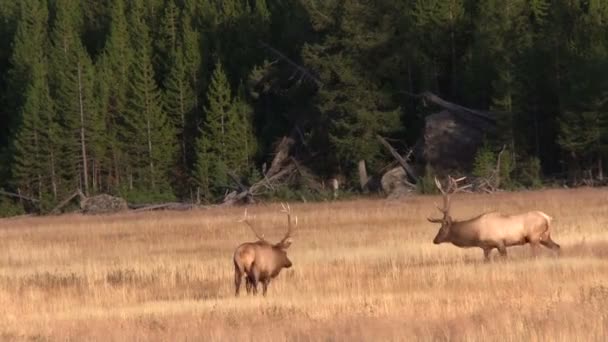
pixel 254 286
pixel 502 249
pixel 265 285
pixel 255 277
pixel 238 276
pixel 486 254
pixel 248 284
pixel 551 245
pixel 534 246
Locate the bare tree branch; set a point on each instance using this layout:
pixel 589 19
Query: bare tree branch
pixel 305 73
pixel 408 169
pixel 11 194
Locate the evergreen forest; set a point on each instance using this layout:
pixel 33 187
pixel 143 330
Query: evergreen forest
pixel 171 100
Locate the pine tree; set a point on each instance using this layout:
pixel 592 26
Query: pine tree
pixel 180 106
pixel 167 38
pixel 440 21
pixel 115 65
pixel 36 142
pixel 36 146
pixel 246 144
pixel 72 79
pixel 352 107
pixel 583 126
pixel 151 141
pixel 219 148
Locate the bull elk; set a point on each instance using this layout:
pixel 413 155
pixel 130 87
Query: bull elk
pixel 261 261
pixel 493 229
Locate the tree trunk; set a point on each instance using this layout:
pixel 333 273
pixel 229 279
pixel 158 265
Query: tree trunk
pixel 182 110
pixel 116 170
pixel 38 176
pixel 85 169
pixel 600 169
pixel 150 154
pixel 363 179
pixel 53 176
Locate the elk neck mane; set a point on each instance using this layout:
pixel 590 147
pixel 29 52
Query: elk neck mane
pixel 475 218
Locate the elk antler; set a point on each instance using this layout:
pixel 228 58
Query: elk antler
pixel 287 210
pixel 452 188
pixel 245 219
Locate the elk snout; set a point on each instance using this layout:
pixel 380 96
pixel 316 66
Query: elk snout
pixel 287 263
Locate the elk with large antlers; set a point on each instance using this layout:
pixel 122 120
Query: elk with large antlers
pixel 261 261
pixel 492 230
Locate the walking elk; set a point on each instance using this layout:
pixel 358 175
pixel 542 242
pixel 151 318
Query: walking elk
pixel 261 261
pixel 492 230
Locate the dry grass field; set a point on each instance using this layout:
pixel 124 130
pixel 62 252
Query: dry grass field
pixel 364 270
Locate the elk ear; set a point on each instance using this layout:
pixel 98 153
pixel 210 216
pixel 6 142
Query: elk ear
pixel 285 244
pixel 432 220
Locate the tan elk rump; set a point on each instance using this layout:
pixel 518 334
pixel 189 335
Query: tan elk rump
pixel 261 261
pixel 492 230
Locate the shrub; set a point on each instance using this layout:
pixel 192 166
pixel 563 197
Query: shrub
pixel 530 172
pixel 426 184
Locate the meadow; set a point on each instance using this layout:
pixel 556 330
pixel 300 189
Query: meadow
pixel 363 270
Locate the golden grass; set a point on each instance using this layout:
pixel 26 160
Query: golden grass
pixel 363 270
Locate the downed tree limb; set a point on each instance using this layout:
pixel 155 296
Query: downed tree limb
pixel 67 200
pixel 166 206
pixel 452 107
pixel 235 197
pixel 305 73
pixel 408 169
pixel 236 180
pixel 281 154
pixel 12 194
pixel 307 176
pixel 282 165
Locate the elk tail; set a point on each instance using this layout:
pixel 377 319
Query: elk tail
pixel 547 217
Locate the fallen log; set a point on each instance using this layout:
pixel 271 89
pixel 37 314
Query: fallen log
pixel 178 206
pixel 256 189
pixel 77 193
pixel 12 194
pixel 408 169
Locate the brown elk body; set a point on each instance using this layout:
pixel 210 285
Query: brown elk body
pixel 493 230
pixel 261 261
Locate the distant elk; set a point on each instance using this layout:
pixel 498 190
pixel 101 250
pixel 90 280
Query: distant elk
pixel 261 261
pixel 492 230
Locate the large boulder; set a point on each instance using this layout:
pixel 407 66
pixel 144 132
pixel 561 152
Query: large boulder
pixel 450 140
pixel 394 183
pixel 103 204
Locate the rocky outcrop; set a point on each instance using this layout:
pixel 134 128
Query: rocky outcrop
pixel 452 136
pixel 103 204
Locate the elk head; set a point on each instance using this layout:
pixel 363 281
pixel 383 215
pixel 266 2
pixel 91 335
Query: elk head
pixel 446 220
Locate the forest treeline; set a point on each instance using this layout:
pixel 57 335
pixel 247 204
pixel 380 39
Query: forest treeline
pixel 159 100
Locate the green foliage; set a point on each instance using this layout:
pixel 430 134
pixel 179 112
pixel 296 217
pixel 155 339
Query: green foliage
pixel 507 169
pixel 351 105
pixel 486 161
pixel 227 143
pixel 426 184
pixel 72 81
pixel 484 165
pixel 10 208
pixel 145 196
pixel 151 138
pixel 305 194
pixel 128 97
pixel 529 173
